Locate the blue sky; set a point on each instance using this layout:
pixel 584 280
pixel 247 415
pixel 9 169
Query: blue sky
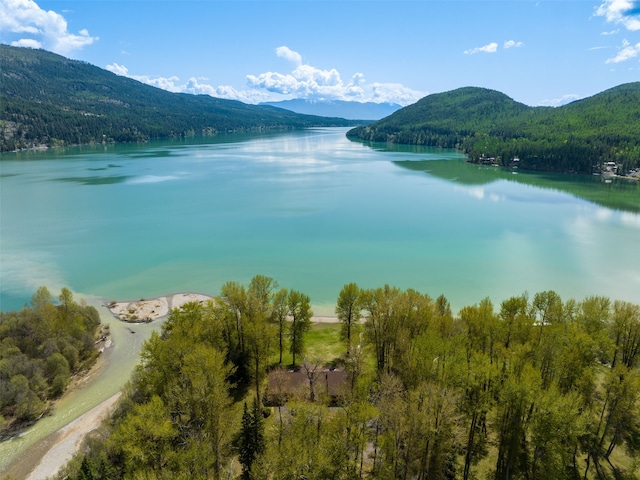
pixel 545 52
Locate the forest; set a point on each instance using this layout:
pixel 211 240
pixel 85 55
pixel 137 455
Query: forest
pixel 490 127
pixel 535 388
pixel 42 347
pixel 49 100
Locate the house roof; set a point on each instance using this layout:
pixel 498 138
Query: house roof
pixel 285 384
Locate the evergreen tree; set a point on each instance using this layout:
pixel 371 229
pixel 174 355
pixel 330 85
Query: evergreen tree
pixel 251 441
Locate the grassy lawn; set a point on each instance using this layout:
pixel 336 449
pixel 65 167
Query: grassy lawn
pixel 323 342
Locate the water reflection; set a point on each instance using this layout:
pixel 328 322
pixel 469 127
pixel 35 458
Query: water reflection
pixel 617 193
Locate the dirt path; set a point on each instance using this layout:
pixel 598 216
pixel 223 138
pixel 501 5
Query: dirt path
pixel 60 447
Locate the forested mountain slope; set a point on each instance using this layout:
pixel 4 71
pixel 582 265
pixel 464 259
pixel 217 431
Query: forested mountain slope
pixel 46 99
pixel 491 127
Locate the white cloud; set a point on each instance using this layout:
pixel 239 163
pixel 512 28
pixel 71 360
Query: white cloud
pixel 393 93
pixel 118 69
pixel 27 42
pixel 193 85
pixel 491 48
pixel 625 52
pixel 305 81
pixel 39 28
pixel 624 12
pixel 288 54
pixel 310 82
pixel 512 44
pixel 165 83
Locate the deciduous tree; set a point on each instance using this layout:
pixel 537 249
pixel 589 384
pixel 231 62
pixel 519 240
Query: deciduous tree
pixel 300 313
pixel 348 311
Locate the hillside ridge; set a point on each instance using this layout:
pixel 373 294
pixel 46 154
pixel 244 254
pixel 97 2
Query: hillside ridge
pixel 47 99
pixel 585 136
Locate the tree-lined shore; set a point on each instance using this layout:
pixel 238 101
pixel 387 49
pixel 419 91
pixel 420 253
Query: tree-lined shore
pixel 537 387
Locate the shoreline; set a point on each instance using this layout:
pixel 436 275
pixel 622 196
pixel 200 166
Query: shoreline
pixel 50 454
pixel 149 310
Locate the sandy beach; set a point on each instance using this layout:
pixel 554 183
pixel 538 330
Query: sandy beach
pixel 149 310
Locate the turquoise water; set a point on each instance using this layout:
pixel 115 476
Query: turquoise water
pixel 311 209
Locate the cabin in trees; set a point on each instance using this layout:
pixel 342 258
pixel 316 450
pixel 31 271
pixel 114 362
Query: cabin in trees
pixel 308 382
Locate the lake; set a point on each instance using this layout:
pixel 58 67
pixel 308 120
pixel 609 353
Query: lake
pixel 313 210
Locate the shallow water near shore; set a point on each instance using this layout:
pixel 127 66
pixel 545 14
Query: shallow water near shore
pixel 312 210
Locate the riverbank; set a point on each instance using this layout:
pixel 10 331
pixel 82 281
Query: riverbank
pixel 47 457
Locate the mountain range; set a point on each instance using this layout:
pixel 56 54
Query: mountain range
pixel 338 108
pixel 47 99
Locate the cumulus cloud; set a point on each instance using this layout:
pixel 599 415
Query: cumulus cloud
pixel 286 53
pixel 118 69
pixel 165 83
pixel 31 26
pixel 304 81
pixel 27 42
pixel 512 44
pixel 309 82
pixel 626 52
pixel 193 85
pixel 623 12
pixel 490 48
